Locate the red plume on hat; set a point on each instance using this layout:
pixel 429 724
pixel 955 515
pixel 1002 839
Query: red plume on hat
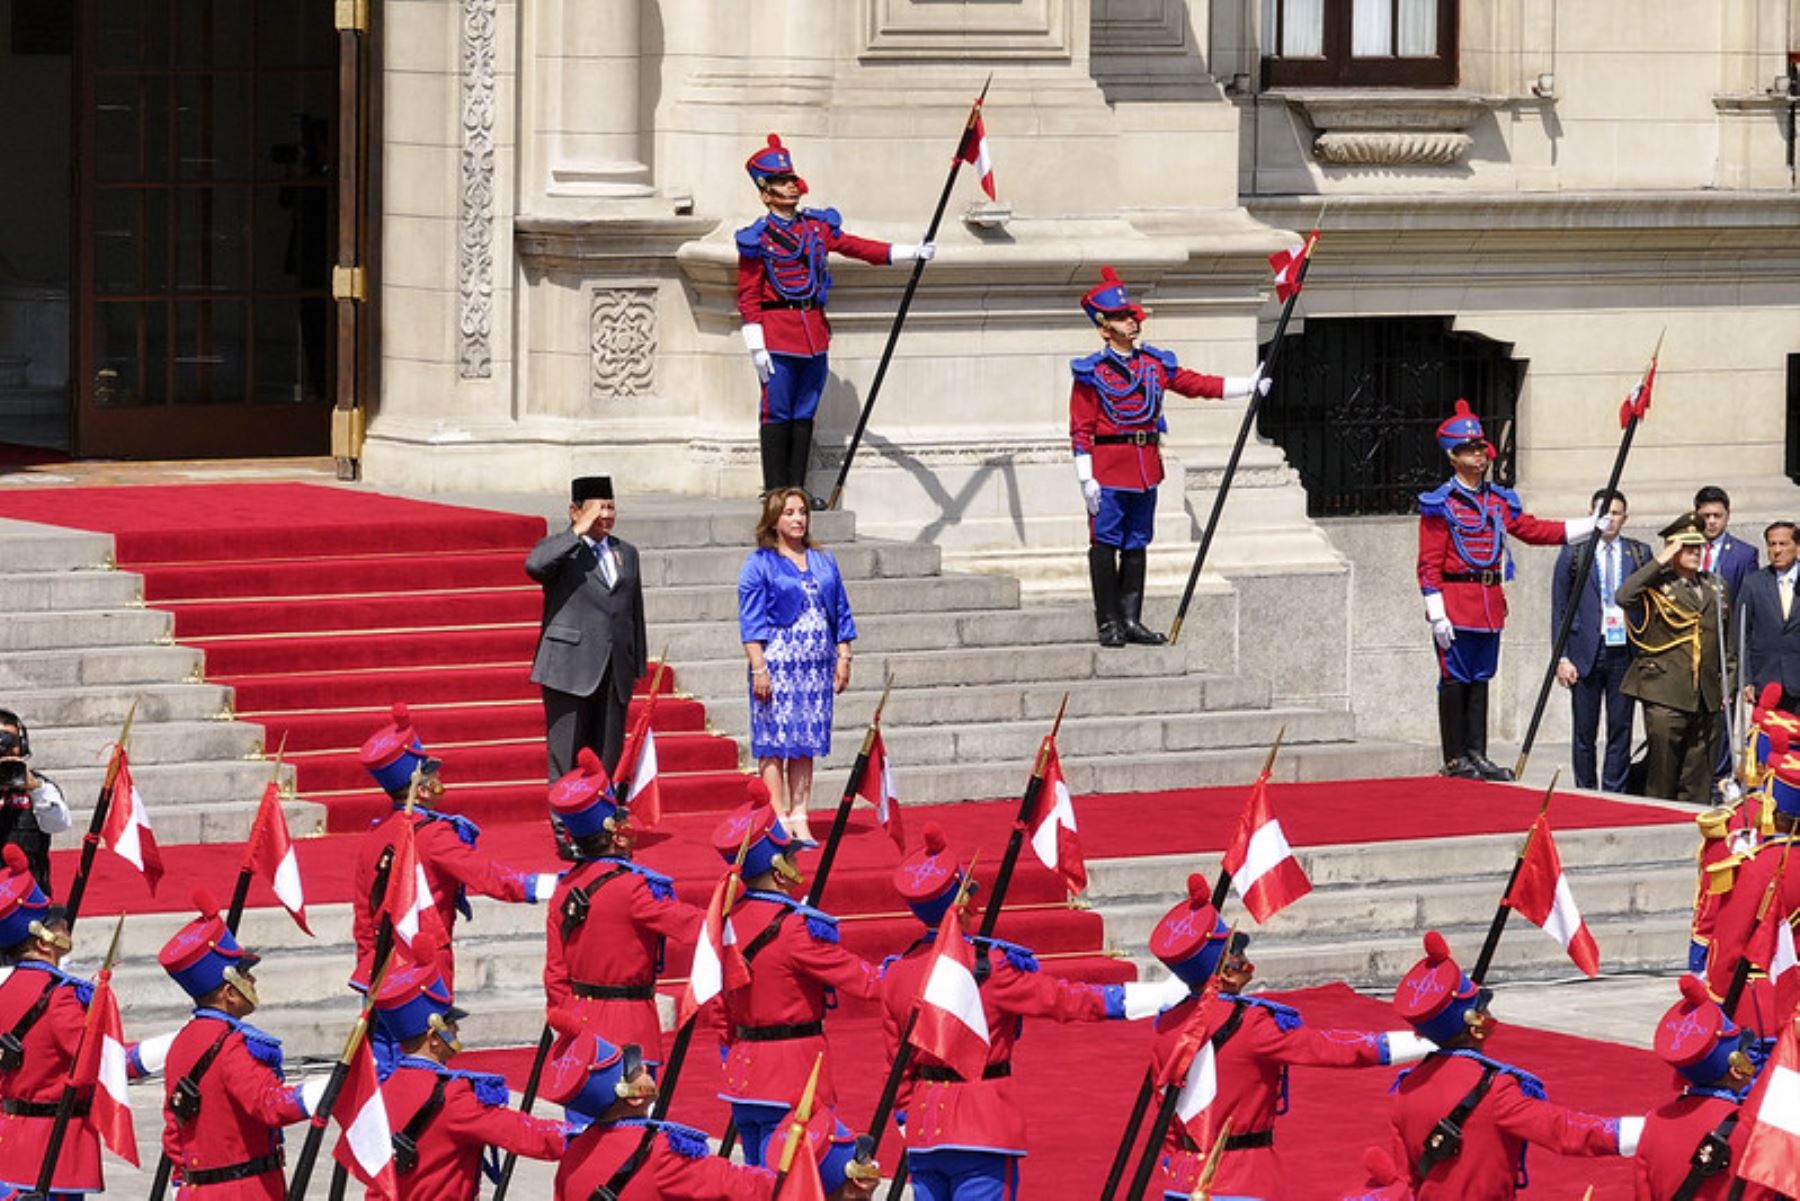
pixel 1694 992
pixel 1771 695
pixel 758 792
pixel 1436 949
pixel 565 1022
pixel 935 841
pixel 15 858
pixel 205 902
pixel 1199 890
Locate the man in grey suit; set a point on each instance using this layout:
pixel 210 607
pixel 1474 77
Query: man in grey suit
pixel 591 646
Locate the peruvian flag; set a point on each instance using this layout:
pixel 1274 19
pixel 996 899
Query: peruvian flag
pixel 100 1066
pixel 1772 943
pixel 1193 1069
pixel 367 1145
pixel 1263 869
pixel 1054 839
pixel 1637 402
pixel 408 899
pixel 1541 893
pixel 645 793
pixel 127 830
pixel 270 854
pixel 1771 1155
pixel 974 150
pixel 718 964
pixel 952 1025
pixel 877 788
pixel 1290 266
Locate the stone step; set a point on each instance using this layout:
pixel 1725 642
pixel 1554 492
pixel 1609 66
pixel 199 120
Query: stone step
pixel 189 802
pixel 114 666
pixel 721 564
pixel 166 742
pixel 691 523
pixel 91 588
pixel 34 547
pixel 923 594
pixel 83 628
pixel 106 705
pixel 897 633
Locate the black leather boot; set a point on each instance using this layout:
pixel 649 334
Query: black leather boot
pixel 1475 735
pixel 1452 730
pixel 1103 575
pixel 800 458
pixel 1131 599
pixel 775 435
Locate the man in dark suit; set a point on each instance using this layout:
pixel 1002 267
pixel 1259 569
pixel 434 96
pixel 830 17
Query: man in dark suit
pixel 1598 651
pixel 1771 620
pixel 591 645
pixel 1724 556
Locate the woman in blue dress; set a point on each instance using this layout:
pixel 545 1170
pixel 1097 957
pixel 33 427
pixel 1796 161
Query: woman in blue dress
pixel 794 618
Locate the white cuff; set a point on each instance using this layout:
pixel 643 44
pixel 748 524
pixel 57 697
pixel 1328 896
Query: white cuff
pixel 1084 467
pixel 153 1052
pixel 1577 528
pixel 542 887
pixel 1144 999
pixel 753 338
pixel 311 1093
pixel 1403 1046
pixel 1238 385
pixel 1434 607
pixel 1630 1131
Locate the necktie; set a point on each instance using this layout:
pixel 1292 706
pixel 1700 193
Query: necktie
pixel 1707 566
pixel 607 567
pixel 1787 594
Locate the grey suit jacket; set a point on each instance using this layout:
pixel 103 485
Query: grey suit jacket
pixel 587 625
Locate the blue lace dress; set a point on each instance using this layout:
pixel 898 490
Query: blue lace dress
pixel 801 657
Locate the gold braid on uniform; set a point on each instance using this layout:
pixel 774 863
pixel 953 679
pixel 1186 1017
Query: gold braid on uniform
pixel 1676 618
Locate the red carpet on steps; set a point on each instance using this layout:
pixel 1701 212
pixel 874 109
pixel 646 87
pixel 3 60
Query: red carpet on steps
pixel 1079 1081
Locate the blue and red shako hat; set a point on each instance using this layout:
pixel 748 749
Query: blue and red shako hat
pixel 584 1071
pixel 1191 937
pixel 409 998
pixel 1783 769
pixel 201 951
pixel 1436 997
pixel 1695 1037
pixel 768 837
pixel 1461 428
pixel 1767 717
pixel 393 753
pixel 929 877
pixel 773 159
pixel 22 902
pixel 836 1147
pixel 1109 297
pixel 584 797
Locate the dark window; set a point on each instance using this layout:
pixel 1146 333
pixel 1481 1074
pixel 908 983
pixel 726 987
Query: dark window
pixel 1359 43
pixel 1357 402
pixel 1793 418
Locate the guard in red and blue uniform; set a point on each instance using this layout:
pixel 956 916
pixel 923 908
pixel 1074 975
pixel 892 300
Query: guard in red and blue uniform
pixel 1499 1108
pixel 1116 425
pixel 1254 1043
pixel 784 280
pixel 443 1121
pixel 610 918
pixel 1463 563
pixel 1728 831
pixel 965 1138
pixel 636 1157
pixel 44 1010
pixel 1692 1140
pixel 225 1098
pixel 775 1025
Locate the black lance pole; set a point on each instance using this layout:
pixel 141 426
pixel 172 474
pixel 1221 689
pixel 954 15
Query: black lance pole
pixel 321 1118
pixel 1243 436
pixel 65 1104
pixel 1133 1123
pixel 90 844
pixel 1502 911
pixel 1015 842
pixel 912 285
pixel 1584 565
pixel 841 819
pixel 1222 886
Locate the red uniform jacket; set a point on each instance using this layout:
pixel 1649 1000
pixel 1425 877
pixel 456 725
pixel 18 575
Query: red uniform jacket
pixel 783 263
pixel 1495 1135
pixel 50 1048
pixel 1716 875
pixel 243 1106
pixel 453 867
pixel 1666 1149
pixel 1734 924
pixel 981 1115
pixel 789 979
pixel 1113 396
pixel 1463 533
pixel 473 1117
pixel 678 1167
pixel 1252 1080
pixel 619 943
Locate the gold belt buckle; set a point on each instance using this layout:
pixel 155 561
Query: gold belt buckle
pixel 1140 438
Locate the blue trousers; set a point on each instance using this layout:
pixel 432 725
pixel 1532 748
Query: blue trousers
pixel 1127 518
pixel 1601 689
pixel 964 1175
pixel 1472 658
pixel 756 1124
pixel 794 388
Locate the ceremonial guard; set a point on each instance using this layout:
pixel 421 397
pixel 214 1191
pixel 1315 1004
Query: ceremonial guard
pixel 225 1099
pixel 1462 1120
pixel 1463 564
pixel 1691 1141
pixel 1727 831
pixel 442 1120
pixel 632 1156
pixel 1116 423
pixel 784 280
pixel 610 918
pixel 775 1025
pixel 43 1011
pixel 1254 1043
pixel 965 1138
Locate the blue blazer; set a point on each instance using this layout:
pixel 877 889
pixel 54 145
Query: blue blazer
pixel 1771 642
pixel 770 595
pixel 1734 561
pixel 1584 642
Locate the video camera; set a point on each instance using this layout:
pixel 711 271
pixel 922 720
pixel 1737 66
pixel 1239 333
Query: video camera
pixel 14 776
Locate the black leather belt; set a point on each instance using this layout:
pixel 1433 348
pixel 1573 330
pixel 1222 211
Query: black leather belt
pixel 802 305
pixel 40 1109
pixel 1250 1141
pixel 1474 577
pixel 943 1075
pixel 1140 438
pixel 237 1171
pixel 613 992
pixel 777 1034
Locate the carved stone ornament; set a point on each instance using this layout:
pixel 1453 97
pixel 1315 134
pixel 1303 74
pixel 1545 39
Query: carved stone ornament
pixel 1392 149
pixel 622 343
pixel 1378 128
pixel 475 212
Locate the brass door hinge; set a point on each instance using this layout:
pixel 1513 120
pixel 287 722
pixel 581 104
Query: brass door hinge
pixel 349 283
pixel 346 433
pixel 352 15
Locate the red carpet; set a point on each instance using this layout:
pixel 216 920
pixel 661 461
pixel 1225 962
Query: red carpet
pixel 1080 1081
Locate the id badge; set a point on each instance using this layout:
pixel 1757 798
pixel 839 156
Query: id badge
pixel 1612 625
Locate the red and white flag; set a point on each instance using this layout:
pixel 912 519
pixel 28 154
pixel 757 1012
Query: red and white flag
pixel 1541 893
pixel 1772 944
pixel 270 854
pixel 1288 265
pixel 1771 1155
pixel 367 1144
pixel 100 1065
pixel 1637 401
pixel 127 830
pixel 645 794
pixel 408 901
pixel 1263 869
pixel 952 1025
pixel 718 963
pixel 974 150
pixel 1192 1068
pixel 1054 839
pixel 877 788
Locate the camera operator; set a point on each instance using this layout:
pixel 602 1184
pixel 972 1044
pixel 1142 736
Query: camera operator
pixel 31 806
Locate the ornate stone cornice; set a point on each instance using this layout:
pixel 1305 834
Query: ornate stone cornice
pixel 1390 127
pixel 573 246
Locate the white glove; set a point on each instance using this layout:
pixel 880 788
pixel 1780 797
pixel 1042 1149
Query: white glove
pixel 1145 999
pixel 1580 527
pixel 49 808
pixel 311 1093
pixel 1442 632
pixel 759 352
pixel 541 887
pixel 906 252
pixel 153 1052
pixel 1090 491
pixel 1403 1046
